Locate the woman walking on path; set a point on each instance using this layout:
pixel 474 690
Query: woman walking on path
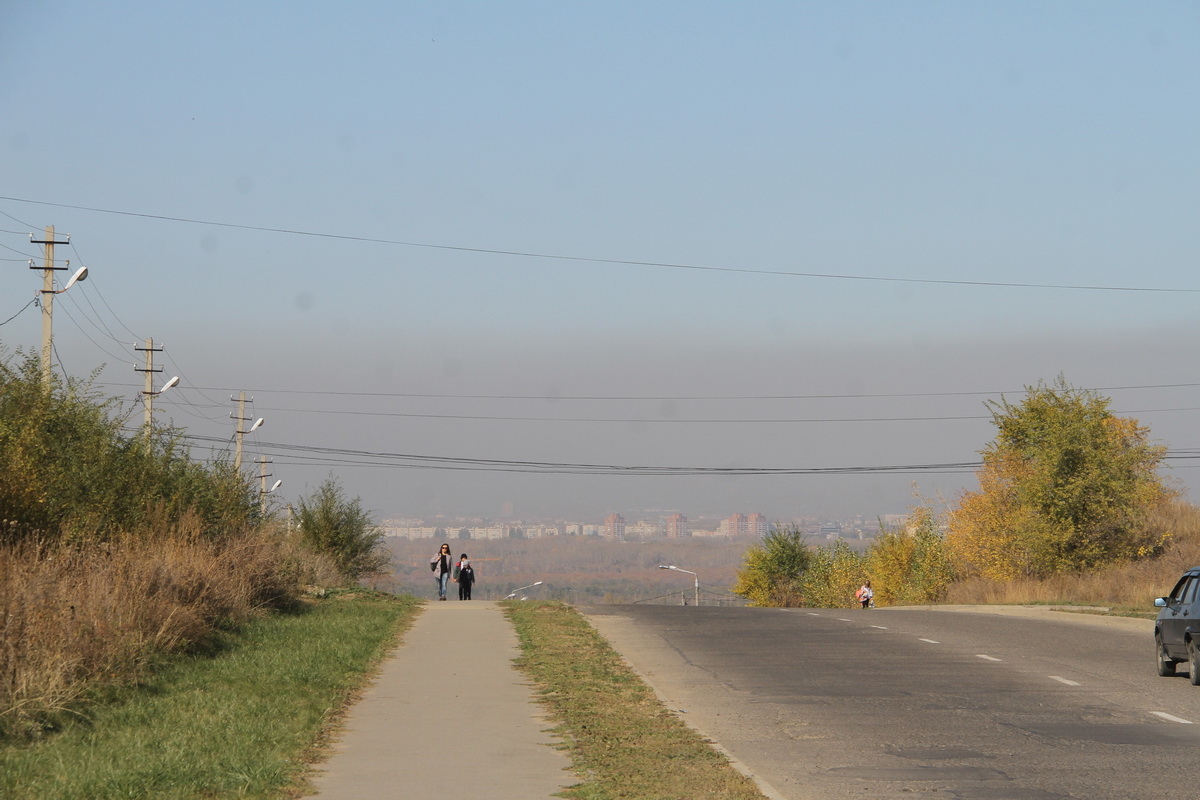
pixel 441 566
pixel 464 573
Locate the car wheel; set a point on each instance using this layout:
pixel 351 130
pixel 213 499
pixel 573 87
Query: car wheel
pixel 1193 663
pixel 1166 664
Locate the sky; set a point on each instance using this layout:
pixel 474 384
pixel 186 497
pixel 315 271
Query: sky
pixel 581 258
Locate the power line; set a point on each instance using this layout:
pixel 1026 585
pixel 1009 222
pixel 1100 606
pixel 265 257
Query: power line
pixel 572 398
pixel 412 460
pixel 625 420
pixel 21 222
pixel 611 261
pixel 14 316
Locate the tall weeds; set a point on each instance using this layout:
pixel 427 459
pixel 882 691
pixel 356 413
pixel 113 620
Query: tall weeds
pixel 75 619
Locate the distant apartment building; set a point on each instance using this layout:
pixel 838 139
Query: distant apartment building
pixel 734 527
pixel 490 532
pixel 643 529
pixel 413 532
pixel 677 526
pixel 613 528
pixel 831 530
pixel 541 531
pixel 741 526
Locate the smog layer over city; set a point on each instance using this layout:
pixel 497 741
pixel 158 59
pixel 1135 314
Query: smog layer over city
pixel 524 269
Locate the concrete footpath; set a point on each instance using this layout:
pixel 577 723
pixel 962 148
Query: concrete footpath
pixel 448 716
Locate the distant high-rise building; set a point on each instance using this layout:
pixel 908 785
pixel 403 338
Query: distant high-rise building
pixel 677 527
pixel 757 525
pixel 613 528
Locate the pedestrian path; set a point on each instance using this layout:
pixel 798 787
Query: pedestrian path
pixel 448 716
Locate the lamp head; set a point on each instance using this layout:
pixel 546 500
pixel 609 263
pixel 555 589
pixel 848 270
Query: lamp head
pixel 80 275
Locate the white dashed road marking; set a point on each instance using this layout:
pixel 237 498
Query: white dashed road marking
pixel 1063 680
pixel 931 641
pixel 882 628
pixel 1170 718
pixel 986 658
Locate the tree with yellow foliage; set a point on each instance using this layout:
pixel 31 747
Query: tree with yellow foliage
pixel 1062 487
pixel 910 565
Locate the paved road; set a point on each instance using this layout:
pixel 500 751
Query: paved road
pixel 892 703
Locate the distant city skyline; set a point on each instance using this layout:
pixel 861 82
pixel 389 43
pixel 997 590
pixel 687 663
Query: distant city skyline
pixel 615 527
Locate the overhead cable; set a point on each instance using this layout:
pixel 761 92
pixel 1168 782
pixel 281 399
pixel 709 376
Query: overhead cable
pixel 597 260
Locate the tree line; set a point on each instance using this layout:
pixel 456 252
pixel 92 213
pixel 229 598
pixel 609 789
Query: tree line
pixel 1065 487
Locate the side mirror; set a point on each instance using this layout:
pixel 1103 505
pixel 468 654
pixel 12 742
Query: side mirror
pixel 1160 602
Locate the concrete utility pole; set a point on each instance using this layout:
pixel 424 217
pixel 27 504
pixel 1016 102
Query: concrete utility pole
pixel 48 300
pixel 238 433
pixel 149 370
pixel 263 491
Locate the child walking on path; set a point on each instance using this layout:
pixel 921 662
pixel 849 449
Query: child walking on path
pixel 464 573
pixel 865 595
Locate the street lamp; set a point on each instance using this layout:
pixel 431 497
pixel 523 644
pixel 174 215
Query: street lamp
pixel 689 572
pixel 80 275
pixel 263 491
pixel 513 593
pixel 148 397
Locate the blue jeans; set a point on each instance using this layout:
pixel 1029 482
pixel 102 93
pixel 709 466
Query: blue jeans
pixel 443 584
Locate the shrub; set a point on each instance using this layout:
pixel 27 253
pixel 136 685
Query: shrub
pixel 772 571
pixel 341 529
pixel 68 471
pixel 910 565
pixel 834 574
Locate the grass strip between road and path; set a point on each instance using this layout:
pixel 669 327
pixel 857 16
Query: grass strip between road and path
pixel 241 723
pixel 623 741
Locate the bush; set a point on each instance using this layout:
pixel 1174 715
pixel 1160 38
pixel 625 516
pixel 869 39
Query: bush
pixel 341 529
pixel 833 576
pixel 911 565
pixel 68 471
pixel 772 572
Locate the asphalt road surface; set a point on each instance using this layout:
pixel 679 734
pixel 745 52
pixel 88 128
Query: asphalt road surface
pixel 890 703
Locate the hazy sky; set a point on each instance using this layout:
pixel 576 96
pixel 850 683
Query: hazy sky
pixel 785 235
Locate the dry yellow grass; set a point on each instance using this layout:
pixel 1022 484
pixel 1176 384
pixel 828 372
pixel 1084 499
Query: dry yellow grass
pixel 76 619
pixel 1131 585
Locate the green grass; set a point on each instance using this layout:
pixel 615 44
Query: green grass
pixel 620 737
pixel 241 723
